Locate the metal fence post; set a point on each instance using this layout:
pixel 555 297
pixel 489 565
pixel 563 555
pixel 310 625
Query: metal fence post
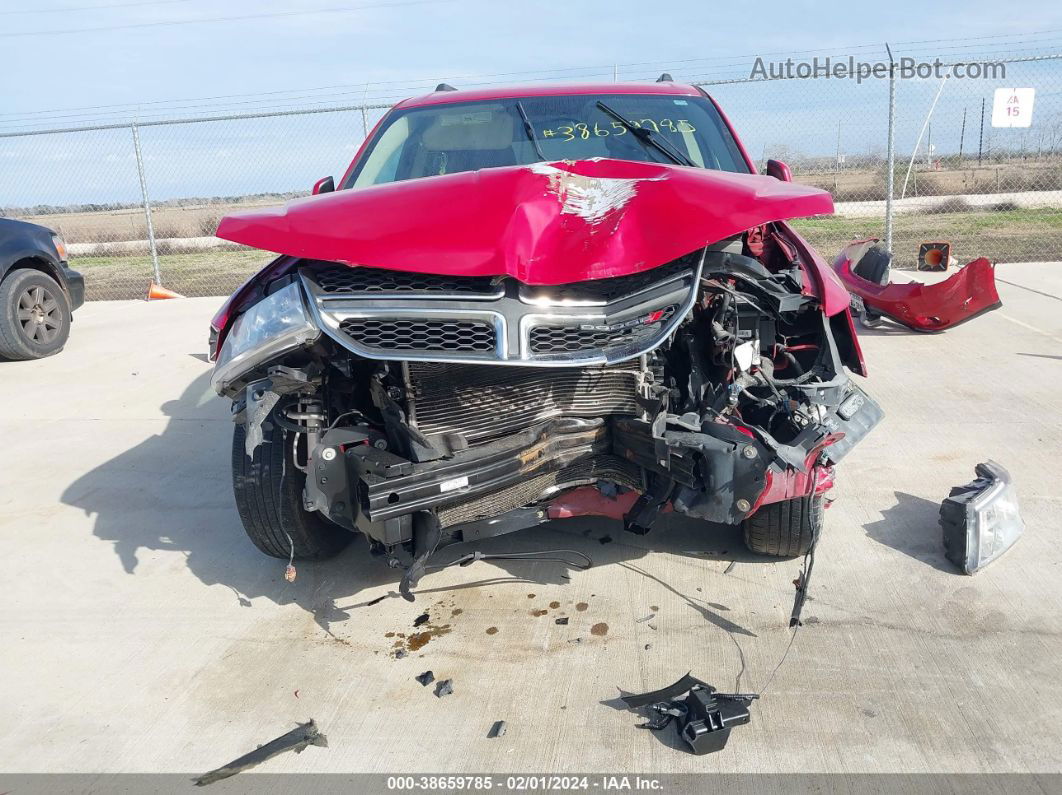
pixel 891 148
pixel 147 204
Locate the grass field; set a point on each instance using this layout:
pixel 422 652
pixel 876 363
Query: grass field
pixel 1020 235
pixel 201 273
pixel 104 226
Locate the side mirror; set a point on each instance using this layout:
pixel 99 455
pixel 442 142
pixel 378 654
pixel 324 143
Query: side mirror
pixel 324 185
pixel 779 170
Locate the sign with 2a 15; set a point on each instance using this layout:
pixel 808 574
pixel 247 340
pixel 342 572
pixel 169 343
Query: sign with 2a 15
pixel 1013 107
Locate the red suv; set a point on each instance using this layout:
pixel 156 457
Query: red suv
pixel 527 304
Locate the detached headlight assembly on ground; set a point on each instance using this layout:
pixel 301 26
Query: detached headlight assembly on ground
pixel 275 325
pixel 981 519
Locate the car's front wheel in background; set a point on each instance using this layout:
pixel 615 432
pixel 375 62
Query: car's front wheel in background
pixel 785 529
pixel 268 489
pixel 34 316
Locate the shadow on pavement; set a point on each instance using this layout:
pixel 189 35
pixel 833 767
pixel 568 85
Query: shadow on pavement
pixel 912 527
pixel 172 492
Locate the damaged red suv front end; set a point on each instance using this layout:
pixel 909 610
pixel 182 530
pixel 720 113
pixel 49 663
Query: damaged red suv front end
pixel 527 305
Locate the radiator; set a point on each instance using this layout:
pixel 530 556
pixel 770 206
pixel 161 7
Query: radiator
pixel 483 402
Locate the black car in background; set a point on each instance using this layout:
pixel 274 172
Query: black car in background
pixel 38 291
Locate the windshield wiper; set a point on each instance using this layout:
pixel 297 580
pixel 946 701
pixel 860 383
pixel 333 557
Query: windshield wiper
pixel 529 130
pixel 647 138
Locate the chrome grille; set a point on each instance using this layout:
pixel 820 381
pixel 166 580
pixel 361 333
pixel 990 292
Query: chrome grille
pixel 572 339
pixel 344 279
pixel 478 403
pixel 381 314
pixel 421 335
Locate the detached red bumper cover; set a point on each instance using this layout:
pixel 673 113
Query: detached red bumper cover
pixel 925 307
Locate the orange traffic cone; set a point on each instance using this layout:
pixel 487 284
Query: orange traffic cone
pixel 157 292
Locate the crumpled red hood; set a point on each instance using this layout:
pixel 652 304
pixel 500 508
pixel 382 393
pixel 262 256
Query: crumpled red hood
pixel 547 223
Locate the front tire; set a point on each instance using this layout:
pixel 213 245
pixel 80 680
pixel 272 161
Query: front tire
pixel 785 529
pixel 268 490
pixel 34 316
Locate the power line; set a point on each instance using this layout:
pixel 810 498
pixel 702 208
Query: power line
pixel 711 62
pixel 207 20
pixel 715 69
pixel 735 60
pixel 64 9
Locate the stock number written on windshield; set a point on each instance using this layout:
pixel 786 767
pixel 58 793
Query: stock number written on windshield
pixel 584 130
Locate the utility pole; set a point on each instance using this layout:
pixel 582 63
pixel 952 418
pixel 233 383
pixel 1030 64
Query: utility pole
pixel 981 137
pixel 147 204
pixel 929 146
pixel 891 156
pixel 838 160
pixel 962 135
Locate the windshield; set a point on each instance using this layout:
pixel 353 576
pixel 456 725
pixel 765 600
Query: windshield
pixel 465 136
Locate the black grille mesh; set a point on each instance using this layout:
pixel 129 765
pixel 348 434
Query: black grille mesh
pixel 611 289
pixel 572 339
pixel 421 335
pixel 341 280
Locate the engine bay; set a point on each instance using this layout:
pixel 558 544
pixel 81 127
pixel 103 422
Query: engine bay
pixel 711 385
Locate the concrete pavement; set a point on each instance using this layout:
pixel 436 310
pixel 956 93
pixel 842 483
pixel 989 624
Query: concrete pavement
pixel 142 632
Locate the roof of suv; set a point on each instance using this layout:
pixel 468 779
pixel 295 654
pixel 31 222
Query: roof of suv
pixel 547 90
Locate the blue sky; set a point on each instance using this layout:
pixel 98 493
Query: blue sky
pixel 383 52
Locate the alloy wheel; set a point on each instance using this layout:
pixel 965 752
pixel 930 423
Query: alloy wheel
pixel 39 315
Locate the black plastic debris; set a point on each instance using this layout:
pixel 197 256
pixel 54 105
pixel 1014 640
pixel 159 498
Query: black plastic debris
pixel 801 583
pixel 563 620
pixel 425 678
pixel 444 688
pixel 375 601
pixel 419 566
pixel 497 730
pixel 400 654
pixel 423 618
pixel 295 740
pixel 703 718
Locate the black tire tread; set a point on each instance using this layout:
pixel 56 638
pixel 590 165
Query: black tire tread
pixel 13 346
pixel 785 529
pixel 268 491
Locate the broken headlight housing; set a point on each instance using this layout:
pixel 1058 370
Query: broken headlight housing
pixel 277 324
pixel 981 520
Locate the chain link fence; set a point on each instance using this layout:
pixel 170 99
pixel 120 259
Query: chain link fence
pixel 994 192
pixel 140 202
